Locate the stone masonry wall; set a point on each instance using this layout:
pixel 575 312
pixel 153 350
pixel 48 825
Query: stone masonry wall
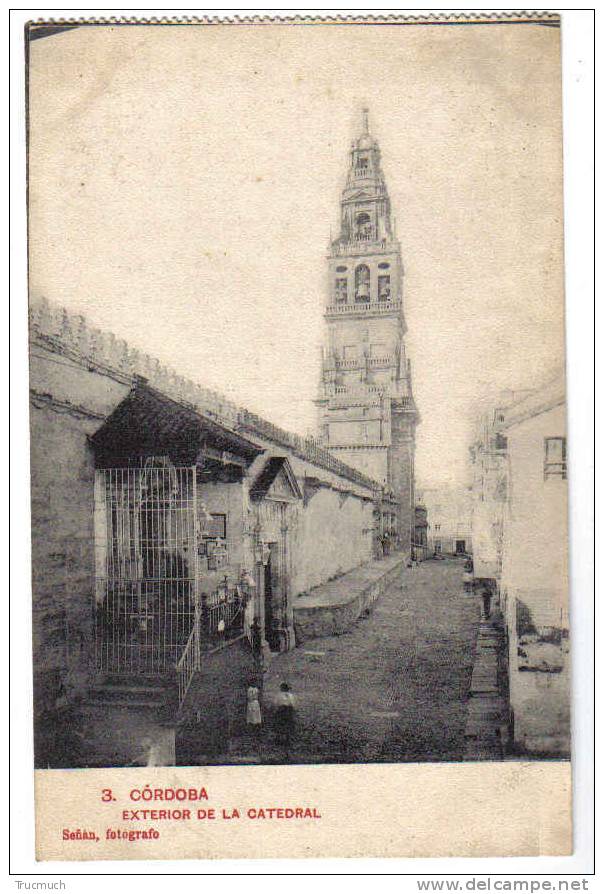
pixel 332 534
pixel 62 493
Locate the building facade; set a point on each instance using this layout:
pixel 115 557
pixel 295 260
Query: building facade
pixel 366 411
pixel 449 512
pixel 489 469
pixel 534 573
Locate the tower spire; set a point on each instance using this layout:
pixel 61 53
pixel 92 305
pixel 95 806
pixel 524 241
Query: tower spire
pixel 366 412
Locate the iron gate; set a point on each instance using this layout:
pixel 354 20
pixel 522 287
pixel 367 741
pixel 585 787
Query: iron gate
pixel 146 551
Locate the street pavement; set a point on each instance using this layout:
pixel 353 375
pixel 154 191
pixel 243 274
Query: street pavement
pixel 394 688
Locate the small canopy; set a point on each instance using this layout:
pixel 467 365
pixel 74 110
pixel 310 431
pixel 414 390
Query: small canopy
pixel 148 423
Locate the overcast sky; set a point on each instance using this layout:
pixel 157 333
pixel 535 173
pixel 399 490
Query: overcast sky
pixel 184 181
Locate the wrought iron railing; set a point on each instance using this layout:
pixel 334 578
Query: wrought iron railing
pixel 188 664
pixel 218 620
pixel 221 616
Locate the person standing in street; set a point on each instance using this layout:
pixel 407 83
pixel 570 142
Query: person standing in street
pixel 253 714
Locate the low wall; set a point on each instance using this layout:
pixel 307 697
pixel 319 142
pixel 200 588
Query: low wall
pixel 332 608
pixel 330 535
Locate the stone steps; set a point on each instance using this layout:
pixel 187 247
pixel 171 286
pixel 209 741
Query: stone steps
pixel 129 692
pixel 141 704
pixel 149 693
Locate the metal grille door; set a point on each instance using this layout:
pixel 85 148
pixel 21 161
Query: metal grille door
pixel 145 530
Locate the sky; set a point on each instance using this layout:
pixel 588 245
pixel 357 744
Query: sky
pixel 184 182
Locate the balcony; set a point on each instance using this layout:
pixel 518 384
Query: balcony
pixel 359 362
pixel 368 389
pixel 360 394
pixel 353 363
pixel 369 308
pixel 357 395
pixel 380 362
pixel 359 245
pixel 358 399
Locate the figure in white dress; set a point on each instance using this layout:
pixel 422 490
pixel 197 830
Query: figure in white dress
pixel 253 714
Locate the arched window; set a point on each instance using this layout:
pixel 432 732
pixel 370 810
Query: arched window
pixel 362 285
pixel 363 228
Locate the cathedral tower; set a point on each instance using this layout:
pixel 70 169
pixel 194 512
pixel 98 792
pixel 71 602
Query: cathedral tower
pixel 367 415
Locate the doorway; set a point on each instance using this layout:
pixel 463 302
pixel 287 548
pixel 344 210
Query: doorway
pixel 460 547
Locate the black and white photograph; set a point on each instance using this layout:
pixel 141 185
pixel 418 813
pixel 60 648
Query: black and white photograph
pixel 299 489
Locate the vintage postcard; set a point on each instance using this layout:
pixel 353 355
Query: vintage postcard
pixel 298 438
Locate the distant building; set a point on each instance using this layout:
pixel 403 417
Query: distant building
pixel 449 515
pixel 534 572
pixel 366 411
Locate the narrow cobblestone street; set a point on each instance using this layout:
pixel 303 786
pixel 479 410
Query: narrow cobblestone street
pixel 395 687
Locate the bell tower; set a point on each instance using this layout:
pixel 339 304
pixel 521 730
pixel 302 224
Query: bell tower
pixel 366 412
